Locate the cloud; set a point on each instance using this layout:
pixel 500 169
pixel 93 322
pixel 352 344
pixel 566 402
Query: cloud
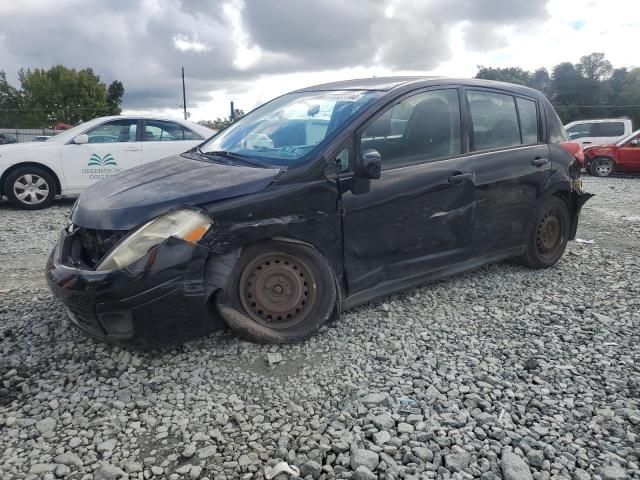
pixel 226 44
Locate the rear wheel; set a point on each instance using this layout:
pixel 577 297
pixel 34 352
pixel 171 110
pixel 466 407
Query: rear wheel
pixel 31 188
pixel 601 167
pixel 279 292
pixel 549 235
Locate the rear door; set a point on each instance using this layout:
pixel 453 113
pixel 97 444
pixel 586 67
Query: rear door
pixel 511 167
pixel 163 138
pixel 418 216
pixel 113 146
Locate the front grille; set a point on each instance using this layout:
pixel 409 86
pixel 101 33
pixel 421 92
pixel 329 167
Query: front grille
pixel 97 243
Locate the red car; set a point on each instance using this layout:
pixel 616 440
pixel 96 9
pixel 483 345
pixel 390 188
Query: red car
pixel 623 156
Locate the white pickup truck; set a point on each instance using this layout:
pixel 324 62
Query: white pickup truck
pixel 604 131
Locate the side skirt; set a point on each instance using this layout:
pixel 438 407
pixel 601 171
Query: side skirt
pixel 394 286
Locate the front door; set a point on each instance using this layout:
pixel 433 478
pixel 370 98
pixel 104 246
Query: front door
pixel 629 155
pixel 511 167
pixel 418 216
pixel 113 146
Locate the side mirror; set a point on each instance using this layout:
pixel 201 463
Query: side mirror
pixel 635 143
pixel 81 139
pixel 370 164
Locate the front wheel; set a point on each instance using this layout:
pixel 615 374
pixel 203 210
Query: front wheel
pixel 549 235
pixel 279 292
pixel 601 167
pixel 31 188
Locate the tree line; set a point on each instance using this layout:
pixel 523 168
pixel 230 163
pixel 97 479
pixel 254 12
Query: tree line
pixel 58 94
pixel 591 88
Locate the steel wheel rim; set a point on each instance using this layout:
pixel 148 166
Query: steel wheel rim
pixel 31 189
pixel 604 167
pixel 549 234
pixel 278 290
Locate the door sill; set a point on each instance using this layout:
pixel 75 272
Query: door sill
pixel 394 286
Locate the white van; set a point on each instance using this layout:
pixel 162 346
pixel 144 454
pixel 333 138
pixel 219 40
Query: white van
pixel 599 132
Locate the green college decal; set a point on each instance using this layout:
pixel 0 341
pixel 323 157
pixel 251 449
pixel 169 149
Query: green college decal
pixel 106 161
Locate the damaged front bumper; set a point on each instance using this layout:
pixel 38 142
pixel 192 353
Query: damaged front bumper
pixel 157 300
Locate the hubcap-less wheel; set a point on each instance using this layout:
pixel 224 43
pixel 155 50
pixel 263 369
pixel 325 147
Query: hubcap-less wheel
pixel 278 290
pixel 548 236
pixel 31 189
pixel 604 167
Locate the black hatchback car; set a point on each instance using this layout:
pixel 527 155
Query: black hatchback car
pixel 319 200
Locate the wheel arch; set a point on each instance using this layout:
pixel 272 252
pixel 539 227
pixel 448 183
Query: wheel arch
pixel 219 268
pixel 49 170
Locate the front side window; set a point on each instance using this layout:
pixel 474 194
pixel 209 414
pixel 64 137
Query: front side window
pixel 528 112
pixel 115 131
pixel 608 129
pixel 495 120
pixel 287 129
pixel 419 128
pixel 579 130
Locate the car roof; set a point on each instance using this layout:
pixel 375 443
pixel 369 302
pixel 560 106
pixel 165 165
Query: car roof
pixel 600 120
pixel 394 83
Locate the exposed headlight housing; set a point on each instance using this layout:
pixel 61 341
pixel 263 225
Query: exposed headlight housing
pixel 188 225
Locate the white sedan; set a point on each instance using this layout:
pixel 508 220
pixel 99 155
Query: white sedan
pixel 32 174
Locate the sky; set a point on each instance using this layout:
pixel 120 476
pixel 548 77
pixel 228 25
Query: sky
pixel 249 51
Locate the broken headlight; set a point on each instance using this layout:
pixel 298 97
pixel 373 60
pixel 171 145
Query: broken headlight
pixel 187 225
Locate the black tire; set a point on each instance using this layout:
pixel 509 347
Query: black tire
pixel 601 167
pixel 31 188
pixel 278 292
pixel 549 234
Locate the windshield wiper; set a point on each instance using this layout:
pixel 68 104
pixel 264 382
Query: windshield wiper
pixel 234 157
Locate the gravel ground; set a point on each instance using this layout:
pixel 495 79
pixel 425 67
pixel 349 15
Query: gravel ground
pixel 503 373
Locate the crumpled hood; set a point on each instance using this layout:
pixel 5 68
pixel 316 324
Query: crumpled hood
pixel 134 196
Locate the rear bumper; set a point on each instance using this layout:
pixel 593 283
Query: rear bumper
pixel 158 300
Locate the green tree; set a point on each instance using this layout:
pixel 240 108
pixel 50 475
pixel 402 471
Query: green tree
pixel 511 75
pixel 60 94
pixel 9 103
pixel 115 92
pixel 595 67
pixel 222 123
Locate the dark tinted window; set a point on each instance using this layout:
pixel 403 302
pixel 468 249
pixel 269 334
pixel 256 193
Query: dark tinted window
pixel 528 120
pixel 608 129
pixel 190 135
pixel 422 127
pixel 161 131
pixel 495 121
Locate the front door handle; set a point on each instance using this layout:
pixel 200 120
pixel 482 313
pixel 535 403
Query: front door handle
pixel 538 162
pixel 131 149
pixel 459 177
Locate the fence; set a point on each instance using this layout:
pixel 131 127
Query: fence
pixel 28 134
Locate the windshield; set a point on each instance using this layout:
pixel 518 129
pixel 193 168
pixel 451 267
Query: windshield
pixel 285 130
pixel 628 138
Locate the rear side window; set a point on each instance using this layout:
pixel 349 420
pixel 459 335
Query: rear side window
pixel 608 129
pixel 528 112
pixel 191 135
pixel 495 120
pixel 163 131
pixel 419 128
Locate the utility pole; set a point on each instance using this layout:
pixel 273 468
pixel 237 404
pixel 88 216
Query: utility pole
pixel 184 96
pixel 233 113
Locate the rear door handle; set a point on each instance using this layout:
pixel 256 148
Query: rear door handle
pixel 131 149
pixel 459 177
pixel 538 162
